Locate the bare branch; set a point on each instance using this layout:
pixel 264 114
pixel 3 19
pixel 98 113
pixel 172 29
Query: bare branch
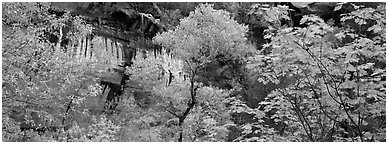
pixel 157 9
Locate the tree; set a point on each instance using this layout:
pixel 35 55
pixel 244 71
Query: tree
pixel 43 88
pixel 204 36
pixel 317 77
pixel 208 119
pixel 335 89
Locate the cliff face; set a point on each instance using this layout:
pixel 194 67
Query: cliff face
pixel 120 30
pixel 123 21
pixel 128 26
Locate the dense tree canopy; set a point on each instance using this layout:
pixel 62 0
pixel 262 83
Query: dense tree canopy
pixel 193 72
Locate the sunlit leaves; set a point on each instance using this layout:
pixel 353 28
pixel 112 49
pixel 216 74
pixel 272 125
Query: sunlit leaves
pixel 209 119
pixel 206 35
pixel 36 79
pixel 102 130
pixel 332 84
pixel 270 17
pixel 213 113
pixel 23 14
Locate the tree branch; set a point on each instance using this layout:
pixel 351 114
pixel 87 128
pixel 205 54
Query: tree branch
pixel 69 106
pixel 171 112
pixel 301 120
pixel 157 9
pixel 191 103
pixel 23 101
pixel 317 99
pixel 342 103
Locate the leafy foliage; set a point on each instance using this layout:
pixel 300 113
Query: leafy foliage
pixel 322 81
pixel 206 35
pixel 333 93
pixel 38 80
pixel 209 119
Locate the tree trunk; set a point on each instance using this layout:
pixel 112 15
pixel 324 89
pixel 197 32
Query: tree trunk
pixel 191 105
pixel 86 45
pixel 58 45
pixel 69 105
